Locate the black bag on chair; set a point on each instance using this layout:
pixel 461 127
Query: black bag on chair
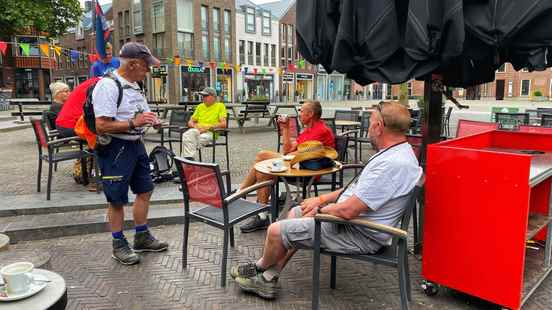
pixel 161 164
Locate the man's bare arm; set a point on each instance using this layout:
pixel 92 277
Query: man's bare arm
pixel 348 209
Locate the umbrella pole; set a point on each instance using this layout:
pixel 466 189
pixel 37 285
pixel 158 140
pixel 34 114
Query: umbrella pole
pixel 431 133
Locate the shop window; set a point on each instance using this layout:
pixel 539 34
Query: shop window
pixel 137 17
pixel 158 17
pixel 525 87
pixel 241 51
pixel 250 20
pixel 258 54
pixel 185 44
pixel 290 34
pixel 194 79
pixel 266 21
pixel 26 83
pixel 223 84
pixel 33 43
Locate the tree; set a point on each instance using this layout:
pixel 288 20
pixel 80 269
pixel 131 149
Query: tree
pixel 52 17
pixel 403 94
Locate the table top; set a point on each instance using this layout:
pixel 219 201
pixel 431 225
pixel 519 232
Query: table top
pixel 43 299
pixel 347 123
pixel 266 165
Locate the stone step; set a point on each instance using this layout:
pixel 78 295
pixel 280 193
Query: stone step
pixel 48 226
pixel 12 125
pixel 7 118
pixel 34 204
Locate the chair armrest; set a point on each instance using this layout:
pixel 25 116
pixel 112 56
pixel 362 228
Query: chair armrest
pixel 64 140
pixel 247 190
pixel 353 166
pixel 350 132
pixel 364 223
pixel 220 130
pixel 53 133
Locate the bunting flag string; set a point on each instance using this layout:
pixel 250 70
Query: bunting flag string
pixel 26 48
pixel 74 55
pixel 3 47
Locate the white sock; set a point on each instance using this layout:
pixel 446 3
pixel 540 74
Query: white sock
pixel 263 215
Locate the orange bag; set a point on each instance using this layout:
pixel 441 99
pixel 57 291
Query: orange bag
pixel 84 133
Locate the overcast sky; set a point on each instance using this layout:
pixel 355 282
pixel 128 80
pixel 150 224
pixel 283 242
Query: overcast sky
pixel 104 1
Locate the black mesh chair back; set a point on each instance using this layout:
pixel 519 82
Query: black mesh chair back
pixel 365 123
pixel 546 120
pixel 178 118
pixel 330 122
pixel 511 121
pixel 343 115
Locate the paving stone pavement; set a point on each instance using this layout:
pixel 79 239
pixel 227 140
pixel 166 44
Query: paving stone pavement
pixel 96 281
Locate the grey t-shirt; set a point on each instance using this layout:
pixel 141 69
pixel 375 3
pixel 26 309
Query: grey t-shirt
pixel 382 186
pixel 104 100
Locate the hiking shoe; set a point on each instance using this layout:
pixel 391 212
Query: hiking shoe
pixel 244 270
pixel 255 223
pixel 123 253
pixel 144 241
pixel 257 284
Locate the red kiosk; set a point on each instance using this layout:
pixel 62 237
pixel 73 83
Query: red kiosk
pixel 486 196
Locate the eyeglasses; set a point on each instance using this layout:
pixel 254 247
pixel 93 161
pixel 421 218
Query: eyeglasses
pixel 379 107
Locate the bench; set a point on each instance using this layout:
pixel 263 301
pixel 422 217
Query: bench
pixel 21 103
pixel 254 109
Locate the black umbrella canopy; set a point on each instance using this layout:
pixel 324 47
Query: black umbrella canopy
pixel 396 40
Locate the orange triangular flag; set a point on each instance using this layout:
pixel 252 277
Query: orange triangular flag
pixel 45 48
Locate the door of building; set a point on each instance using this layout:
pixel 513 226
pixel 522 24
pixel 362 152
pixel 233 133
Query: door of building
pixel 499 90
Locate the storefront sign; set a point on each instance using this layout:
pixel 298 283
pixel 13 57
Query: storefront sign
pixel 159 71
pixel 304 76
pixel 258 77
pixel 287 77
pixel 193 69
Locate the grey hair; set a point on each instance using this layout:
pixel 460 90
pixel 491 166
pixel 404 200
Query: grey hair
pixel 123 61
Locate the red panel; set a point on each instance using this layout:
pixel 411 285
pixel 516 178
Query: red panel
pixel 467 127
pixel 522 140
pixel 476 220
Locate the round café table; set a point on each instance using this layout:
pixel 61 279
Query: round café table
pixel 265 167
pixel 52 297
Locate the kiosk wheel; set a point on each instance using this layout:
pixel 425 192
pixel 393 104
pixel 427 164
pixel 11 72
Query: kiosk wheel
pixel 430 288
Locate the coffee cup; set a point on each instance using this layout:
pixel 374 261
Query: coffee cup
pixel 282 118
pixel 17 277
pixel 277 164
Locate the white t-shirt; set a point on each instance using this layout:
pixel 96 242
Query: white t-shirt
pixel 104 100
pixel 390 175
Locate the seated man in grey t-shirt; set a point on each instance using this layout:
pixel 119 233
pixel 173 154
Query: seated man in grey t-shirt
pixel 380 195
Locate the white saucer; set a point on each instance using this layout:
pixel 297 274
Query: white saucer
pixel 289 157
pixel 39 282
pixel 278 170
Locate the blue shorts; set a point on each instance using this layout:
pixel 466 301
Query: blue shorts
pixel 123 164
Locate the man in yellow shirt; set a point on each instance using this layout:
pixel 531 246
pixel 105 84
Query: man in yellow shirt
pixel 207 116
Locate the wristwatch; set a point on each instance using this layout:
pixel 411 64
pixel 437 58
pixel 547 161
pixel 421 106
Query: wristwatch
pixel 131 124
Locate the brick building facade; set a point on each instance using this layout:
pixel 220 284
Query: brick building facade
pixel 198 31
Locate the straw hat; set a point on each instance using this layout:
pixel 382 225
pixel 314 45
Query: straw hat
pixel 313 149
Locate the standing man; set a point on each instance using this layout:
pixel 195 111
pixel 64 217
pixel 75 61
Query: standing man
pixel 106 64
pixel 124 161
pixel 207 116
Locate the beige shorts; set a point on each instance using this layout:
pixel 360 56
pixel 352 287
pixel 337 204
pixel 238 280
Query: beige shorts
pixel 298 233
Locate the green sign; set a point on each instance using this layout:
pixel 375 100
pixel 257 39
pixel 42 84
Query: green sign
pixel 495 110
pixel 194 69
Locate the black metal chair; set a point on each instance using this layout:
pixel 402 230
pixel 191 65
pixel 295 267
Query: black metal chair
pixel 341 144
pixel 546 120
pixel 446 122
pixel 347 115
pixel 222 140
pixel 48 150
pixel 172 133
pixel 511 121
pixel 203 183
pixel 363 137
pixel 395 255
pixel 330 122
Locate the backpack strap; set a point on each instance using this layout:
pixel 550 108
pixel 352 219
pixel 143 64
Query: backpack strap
pixel 119 86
